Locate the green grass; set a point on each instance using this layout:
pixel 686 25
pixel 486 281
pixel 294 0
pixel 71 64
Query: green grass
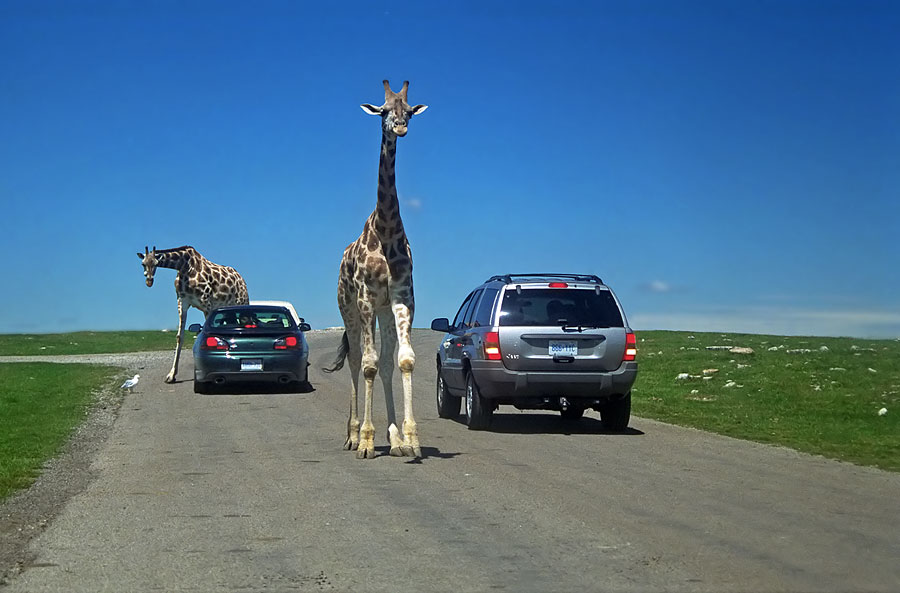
pixel 90 342
pixel 40 404
pixel 790 391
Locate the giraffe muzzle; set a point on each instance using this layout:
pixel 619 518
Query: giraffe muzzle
pixel 149 282
pixel 400 130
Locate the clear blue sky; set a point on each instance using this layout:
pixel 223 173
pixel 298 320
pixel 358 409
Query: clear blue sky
pixel 723 165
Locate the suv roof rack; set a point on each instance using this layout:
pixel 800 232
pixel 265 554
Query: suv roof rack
pixel 508 278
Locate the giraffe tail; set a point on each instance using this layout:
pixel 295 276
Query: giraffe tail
pixel 342 352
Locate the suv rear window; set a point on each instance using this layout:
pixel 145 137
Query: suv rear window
pixel 554 306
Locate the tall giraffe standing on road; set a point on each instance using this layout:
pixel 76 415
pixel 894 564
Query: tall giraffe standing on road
pixel 376 282
pixel 199 283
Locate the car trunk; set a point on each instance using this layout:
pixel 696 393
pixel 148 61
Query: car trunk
pixel 568 328
pixel 548 349
pixel 251 340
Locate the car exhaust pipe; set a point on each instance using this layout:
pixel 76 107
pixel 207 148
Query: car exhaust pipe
pixel 220 381
pixel 284 379
pixel 563 404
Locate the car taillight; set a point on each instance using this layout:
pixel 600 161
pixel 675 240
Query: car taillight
pixel 492 346
pixel 287 343
pixel 214 343
pixel 559 285
pixel 630 348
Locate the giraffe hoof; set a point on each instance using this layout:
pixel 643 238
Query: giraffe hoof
pixel 397 452
pixel 350 445
pixel 170 379
pixel 408 451
pixel 365 454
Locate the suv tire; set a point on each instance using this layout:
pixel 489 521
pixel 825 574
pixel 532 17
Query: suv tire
pixel 447 405
pixel 478 412
pixel 615 414
pixel 201 387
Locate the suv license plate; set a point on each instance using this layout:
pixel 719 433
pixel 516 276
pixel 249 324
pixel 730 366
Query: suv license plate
pixel 558 348
pixel 251 364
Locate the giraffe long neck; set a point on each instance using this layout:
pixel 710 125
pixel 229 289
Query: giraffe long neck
pixel 179 259
pixel 386 218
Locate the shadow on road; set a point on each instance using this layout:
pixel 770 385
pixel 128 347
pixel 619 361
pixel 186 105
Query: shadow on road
pixel 550 423
pixel 251 388
pixel 427 453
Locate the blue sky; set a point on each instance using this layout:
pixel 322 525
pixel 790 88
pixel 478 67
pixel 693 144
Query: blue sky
pixel 723 165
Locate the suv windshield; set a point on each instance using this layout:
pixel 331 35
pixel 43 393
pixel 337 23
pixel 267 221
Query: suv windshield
pixel 554 306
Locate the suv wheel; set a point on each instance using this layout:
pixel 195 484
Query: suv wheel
pixel 447 405
pixel 572 413
pixel 615 414
pixel 201 387
pixel 478 412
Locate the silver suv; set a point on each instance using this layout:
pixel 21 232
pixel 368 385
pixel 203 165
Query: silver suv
pixel 537 342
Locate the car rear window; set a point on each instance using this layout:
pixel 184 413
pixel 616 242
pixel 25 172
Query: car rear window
pixel 249 318
pixel 555 306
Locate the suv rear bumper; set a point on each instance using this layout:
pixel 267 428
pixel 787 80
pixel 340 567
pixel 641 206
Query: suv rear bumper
pixel 496 382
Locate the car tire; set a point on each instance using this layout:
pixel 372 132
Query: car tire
pixel 616 414
pixel 572 413
pixel 448 406
pixel 479 413
pixel 201 387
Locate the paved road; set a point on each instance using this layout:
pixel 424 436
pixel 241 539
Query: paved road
pixel 252 492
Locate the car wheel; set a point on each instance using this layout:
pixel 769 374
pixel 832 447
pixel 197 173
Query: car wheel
pixel 201 387
pixel 478 412
pixel 615 415
pixel 572 413
pixel 447 405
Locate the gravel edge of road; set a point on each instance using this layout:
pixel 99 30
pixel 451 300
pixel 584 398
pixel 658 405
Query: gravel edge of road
pixel 27 513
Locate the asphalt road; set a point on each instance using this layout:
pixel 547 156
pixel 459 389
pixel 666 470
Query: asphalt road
pixel 252 492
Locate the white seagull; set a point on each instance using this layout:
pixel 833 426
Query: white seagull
pixel 130 383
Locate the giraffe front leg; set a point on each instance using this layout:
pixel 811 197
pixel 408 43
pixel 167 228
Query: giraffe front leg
pixel 182 317
pixel 406 360
pixel 366 448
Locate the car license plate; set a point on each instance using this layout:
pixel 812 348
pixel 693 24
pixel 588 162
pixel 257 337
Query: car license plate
pixel 251 364
pixel 559 348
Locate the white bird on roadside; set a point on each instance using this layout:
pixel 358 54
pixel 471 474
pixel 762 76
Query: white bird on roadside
pixel 130 383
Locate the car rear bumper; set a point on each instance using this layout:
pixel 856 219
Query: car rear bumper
pixel 275 369
pixel 496 382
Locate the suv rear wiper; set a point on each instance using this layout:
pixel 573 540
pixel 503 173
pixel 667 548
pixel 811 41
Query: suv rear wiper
pixel 581 328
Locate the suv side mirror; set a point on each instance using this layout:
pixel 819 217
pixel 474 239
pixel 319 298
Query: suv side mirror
pixel 195 327
pixel 304 327
pixel 441 324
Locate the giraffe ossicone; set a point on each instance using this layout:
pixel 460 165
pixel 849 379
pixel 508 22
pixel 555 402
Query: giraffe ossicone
pixel 199 283
pixel 376 284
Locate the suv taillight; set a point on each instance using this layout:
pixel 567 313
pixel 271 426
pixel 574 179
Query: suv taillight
pixel 492 346
pixel 287 343
pixel 630 347
pixel 214 343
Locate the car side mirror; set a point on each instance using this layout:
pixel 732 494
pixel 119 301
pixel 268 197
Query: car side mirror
pixel 195 327
pixel 441 324
pixel 304 327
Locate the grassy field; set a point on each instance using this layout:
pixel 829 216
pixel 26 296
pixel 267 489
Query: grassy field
pixel 40 404
pixel 818 395
pixel 90 342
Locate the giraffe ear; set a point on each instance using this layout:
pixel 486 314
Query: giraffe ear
pixel 140 255
pixel 371 109
pixel 419 109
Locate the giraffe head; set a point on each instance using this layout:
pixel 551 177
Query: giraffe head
pixel 396 112
pixel 149 261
